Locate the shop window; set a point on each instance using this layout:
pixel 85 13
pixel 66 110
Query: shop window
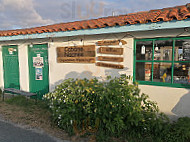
pixel 144 50
pixel 162 72
pixel 182 73
pixel 163 50
pixel 143 71
pixel 182 50
pixel 163 62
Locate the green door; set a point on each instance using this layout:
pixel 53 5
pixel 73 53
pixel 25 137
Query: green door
pixel 38 69
pixel 11 67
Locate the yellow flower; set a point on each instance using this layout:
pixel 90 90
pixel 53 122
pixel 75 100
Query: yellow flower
pixel 88 90
pixel 76 101
pixel 76 82
pixel 82 95
pixel 93 92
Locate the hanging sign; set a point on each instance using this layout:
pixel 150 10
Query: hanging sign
pixel 143 49
pixel 111 59
pixel 115 66
pixel 38 62
pixel 186 51
pixel 110 50
pixel 111 42
pixel 39 73
pixel 76 54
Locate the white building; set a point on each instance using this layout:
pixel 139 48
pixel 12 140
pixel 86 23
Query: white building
pixel 152 46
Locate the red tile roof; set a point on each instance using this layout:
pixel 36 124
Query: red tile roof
pixel 166 14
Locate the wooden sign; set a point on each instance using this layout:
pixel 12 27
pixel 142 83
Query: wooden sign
pixel 111 42
pixel 76 54
pixel 76 60
pixel 110 50
pixel 109 65
pixel 112 59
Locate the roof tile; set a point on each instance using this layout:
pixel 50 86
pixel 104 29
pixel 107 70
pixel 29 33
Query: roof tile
pixel 165 14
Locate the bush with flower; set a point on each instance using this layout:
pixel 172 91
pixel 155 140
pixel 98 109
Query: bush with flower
pixel 117 104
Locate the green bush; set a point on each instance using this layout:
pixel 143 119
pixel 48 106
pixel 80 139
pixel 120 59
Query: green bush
pixel 178 131
pixel 114 107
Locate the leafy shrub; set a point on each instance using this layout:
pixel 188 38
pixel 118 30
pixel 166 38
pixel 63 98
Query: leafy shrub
pixel 178 131
pixel 114 107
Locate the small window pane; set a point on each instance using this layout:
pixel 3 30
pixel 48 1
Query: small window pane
pixel 144 50
pixel 163 50
pixel 182 50
pixel 143 71
pixel 162 72
pixel 182 73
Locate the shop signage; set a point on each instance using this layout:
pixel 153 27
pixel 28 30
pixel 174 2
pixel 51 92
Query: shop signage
pixel 111 59
pixel 76 60
pixel 111 42
pixel 38 62
pixel 76 54
pixel 109 65
pixel 110 50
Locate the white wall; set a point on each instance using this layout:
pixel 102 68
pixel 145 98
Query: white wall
pixel 1 69
pixel 175 102
pixel 61 71
pixel 23 66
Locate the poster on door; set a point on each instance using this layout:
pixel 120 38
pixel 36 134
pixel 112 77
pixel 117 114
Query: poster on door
pixel 39 73
pixel 38 62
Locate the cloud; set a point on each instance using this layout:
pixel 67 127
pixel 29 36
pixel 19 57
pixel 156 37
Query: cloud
pixel 20 14
pixel 32 13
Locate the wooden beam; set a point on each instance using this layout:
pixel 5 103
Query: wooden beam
pixel 111 42
pixel 110 50
pixel 112 59
pixel 115 66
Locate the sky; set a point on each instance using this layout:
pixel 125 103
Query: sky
pixel 19 14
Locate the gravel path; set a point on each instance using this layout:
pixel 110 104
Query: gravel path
pixel 13 133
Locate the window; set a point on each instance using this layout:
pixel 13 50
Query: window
pixel 164 62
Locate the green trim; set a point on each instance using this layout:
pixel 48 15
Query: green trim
pixel 173 58
pixel 157 61
pixel 134 62
pixel 152 70
pixel 163 84
pixel 172 84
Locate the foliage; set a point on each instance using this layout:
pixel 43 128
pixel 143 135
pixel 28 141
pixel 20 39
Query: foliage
pixel 26 103
pixel 117 104
pixel 178 131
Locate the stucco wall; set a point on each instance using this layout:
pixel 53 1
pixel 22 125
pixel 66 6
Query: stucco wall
pixel 172 101
pixel 61 71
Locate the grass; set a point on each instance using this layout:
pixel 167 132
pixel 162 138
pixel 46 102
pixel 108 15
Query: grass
pixel 27 112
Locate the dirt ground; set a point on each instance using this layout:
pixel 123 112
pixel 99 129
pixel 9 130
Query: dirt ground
pixel 33 118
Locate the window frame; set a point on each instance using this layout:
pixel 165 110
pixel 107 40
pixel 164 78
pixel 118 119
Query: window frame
pixel 172 84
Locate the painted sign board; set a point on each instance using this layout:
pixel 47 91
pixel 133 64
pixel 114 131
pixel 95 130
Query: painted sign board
pixel 111 59
pixel 76 54
pixel 111 42
pixel 76 60
pixel 115 66
pixel 110 50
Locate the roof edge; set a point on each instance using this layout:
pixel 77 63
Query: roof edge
pixel 117 29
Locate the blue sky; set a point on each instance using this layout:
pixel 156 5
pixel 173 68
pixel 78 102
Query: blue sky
pixel 15 14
